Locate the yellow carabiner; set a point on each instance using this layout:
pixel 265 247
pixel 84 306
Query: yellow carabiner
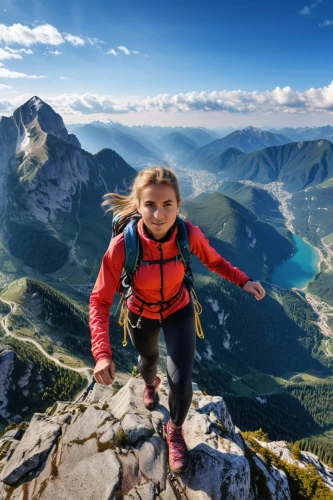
pixel 197 312
pixel 122 321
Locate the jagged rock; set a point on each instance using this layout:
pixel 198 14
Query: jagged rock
pixel 144 492
pixel 276 480
pixel 80 462
pixel 131 474
pixel 6 369
pixel 137 426
pixel 86 424
pixel 168 493
pixel 152 456
pixel 122 452
pixel 72 139
pixel 32 450
pixel 215 405
pixel 282 450
pixel 108 432
pixel 325 471
pixel 50 121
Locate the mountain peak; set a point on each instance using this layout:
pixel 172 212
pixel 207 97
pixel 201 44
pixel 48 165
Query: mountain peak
pixel 49 121
pixel 35 102
pixel 256 130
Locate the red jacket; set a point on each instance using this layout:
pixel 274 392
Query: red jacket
pixel 152 283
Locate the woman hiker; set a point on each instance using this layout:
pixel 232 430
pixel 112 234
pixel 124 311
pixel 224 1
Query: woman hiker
pixel 159 298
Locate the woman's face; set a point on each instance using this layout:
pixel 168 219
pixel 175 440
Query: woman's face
pixel 158 207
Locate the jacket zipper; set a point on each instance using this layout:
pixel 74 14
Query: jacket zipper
pixel 161 271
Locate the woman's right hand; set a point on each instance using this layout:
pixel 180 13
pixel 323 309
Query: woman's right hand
pixel 104 371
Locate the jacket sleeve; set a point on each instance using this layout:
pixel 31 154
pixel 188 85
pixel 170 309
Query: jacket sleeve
pixel 200 246
pixel 101 298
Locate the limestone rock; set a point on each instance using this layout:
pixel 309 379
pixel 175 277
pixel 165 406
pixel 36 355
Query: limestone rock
pixel 32 450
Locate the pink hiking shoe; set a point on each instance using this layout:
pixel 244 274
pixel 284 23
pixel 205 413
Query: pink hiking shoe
pixel 150 394
pixel 179 459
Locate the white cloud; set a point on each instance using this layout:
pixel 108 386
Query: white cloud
pixel 4 54
pixel 5 86
pixel 64 78
pixel 54 52
pixel 283 100
pixel 278 101
pixel 95 41
pixel 76 41
pixel 19 51
pixel 23 35
pixel 6 73
pixel 306 11
pixel 112 52
pixel 124 49
pixel 328 22
pixel 5 105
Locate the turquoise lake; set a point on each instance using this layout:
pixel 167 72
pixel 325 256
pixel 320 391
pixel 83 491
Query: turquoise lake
pixel 299 269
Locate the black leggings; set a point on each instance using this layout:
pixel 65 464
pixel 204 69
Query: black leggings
pixel 180 338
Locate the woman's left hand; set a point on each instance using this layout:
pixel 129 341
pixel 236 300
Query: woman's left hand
pixel 255 288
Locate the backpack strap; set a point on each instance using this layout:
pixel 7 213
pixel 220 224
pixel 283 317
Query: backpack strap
pixel 182 242
pixel 132 246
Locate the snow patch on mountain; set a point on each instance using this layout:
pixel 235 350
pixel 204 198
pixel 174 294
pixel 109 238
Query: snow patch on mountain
pixel 21 136
pixel 36 103
pixel 24 380
pixel 208 354
pixel 214 304
pixel 251 235
pixel 261 400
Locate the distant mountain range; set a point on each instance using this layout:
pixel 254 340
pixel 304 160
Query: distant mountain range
pixel 306 133
pixel 142 146
pixel 297 165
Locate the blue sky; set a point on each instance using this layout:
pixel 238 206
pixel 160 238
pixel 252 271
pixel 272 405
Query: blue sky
pixel 217 63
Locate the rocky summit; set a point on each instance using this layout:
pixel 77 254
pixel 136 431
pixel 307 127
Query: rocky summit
pixel 106 445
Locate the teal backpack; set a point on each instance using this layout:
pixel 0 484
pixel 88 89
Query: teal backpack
pixel 133 250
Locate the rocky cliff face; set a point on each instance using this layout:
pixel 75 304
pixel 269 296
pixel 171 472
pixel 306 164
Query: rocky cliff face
pixel 49 120
pixel 48 184
pixel 109 446
pixel 8 137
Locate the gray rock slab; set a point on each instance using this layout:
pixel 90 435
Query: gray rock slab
pixel 86 424
pixel 130 472
pixel 168 493
pixel 32 450
pixel 109 432
pixel 143 492
pixel 277 484
pixel 99 393
pixel 216 406
pixel 159 416
pixel 84 474
pixel 214 475
pixel 137 426
pixel 152 457
pixel 29 488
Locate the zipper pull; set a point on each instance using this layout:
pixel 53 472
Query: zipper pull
pixel 159 247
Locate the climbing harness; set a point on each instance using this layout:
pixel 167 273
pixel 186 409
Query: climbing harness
pixel 133 259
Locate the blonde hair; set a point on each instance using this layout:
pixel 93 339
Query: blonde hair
pixel 127 204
